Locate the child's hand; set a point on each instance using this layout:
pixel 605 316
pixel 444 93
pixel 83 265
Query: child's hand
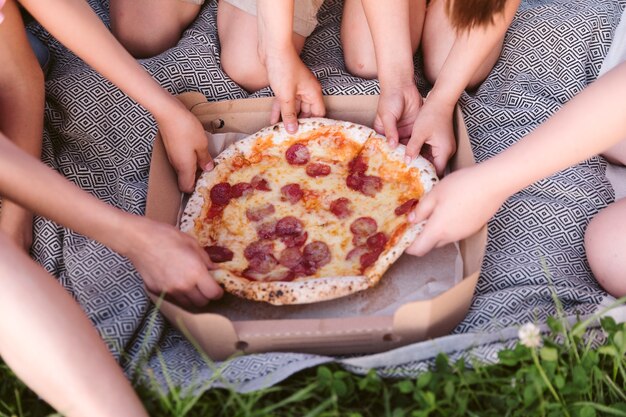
pixel 296 89
pixel 186 144
pixel 398 108
pixel 434 126
pixel 173 263
pixel 455 208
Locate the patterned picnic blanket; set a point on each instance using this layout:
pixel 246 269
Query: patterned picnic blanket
pixel 102 141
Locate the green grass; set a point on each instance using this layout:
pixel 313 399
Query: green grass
pixel 563 377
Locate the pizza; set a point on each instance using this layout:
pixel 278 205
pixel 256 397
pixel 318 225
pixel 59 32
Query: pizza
pixel 308 217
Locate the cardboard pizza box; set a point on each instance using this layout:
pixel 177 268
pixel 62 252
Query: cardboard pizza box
pixel 371 321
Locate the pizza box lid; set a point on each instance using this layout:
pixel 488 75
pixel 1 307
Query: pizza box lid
pixel 220 336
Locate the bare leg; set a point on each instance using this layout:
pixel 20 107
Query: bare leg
pixel 148 27
pixel 605 243
pixel 356 38
pixel 75 372
pixel 239 39
pixel 439 37
pixel 21 111
pixel 617 154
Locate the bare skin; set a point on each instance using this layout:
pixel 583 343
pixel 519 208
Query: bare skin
pixel 263 50
pixel 465 200
pixel 454 61
pixel 148 27
pixel 21 97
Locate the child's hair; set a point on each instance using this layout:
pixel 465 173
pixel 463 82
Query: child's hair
pixel 466 14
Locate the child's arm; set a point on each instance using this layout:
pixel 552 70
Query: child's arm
pixel 399 101
pixel 296 88
pixel 465 200
pixel 470 50
pixel 169 261
pixel 74 24
pixel 51 345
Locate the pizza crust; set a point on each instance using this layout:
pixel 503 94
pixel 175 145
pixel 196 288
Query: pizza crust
pixel 304 290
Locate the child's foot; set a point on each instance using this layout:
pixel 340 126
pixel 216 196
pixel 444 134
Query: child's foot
pixel 17 224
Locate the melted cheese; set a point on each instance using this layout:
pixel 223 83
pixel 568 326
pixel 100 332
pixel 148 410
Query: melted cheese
pixel 234 231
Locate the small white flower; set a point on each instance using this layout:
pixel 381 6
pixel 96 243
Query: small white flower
pixel 529 335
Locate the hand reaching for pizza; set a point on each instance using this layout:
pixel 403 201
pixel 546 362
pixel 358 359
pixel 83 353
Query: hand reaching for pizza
pixel 434 127
pixel 296 88
pixel 172 263
pixel 454 209
pixel 186 145
pixel 398 108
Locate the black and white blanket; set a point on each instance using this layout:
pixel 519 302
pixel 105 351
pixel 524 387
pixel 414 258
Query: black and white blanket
pixel 102 141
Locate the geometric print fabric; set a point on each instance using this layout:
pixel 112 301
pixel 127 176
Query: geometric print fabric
pixel 102 141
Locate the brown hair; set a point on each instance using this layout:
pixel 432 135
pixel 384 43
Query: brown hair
pixel 466 14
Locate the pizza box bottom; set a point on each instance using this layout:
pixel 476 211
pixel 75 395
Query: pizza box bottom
pixel 417 299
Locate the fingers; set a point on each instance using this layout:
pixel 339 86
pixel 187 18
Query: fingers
pixel 391 129
pixel 440 159
pixel 426 239
pixel 275 113
pixel 2 14
pixel 205 162
pixel 289 114
pixel 209 288
pixel 305 110
pixel 186 172
pixel 318 108
pixel 414 146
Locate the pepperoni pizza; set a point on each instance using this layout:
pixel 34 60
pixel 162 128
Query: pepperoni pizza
pixel 292 219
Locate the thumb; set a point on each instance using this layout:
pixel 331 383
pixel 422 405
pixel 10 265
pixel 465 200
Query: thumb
pixel 423 210
pixel 425 240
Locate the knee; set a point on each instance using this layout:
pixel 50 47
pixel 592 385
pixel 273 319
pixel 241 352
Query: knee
pixel 359 62
pixel 605 240
pixel 145 38
pixel 251 76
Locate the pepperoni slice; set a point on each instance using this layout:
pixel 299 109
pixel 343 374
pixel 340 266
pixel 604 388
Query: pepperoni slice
pixel 341 208
pixel 263 263
pixel 215 211
pixel 267 230
pixel 405 207
pixel 357 252
pixel 377 241
pixel 305 268
pixel 369 258
pixel 290 257
pixel 295 241
pixel 297 154
pixel 292 193
pixel 260 183
pixel 355 181
pixel 241 189
pixel 371 185
pixel 260 247
pixel 255 214
pixel 358 165
pixel 220 193
pixel 364 226
pixel 219 254
pixel 316 169
pixel 289 226
pixel 317 252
